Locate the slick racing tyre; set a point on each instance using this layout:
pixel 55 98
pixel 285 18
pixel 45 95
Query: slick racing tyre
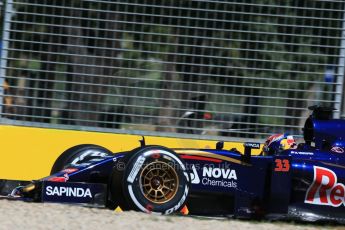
pixel 155 180
pixel 79 154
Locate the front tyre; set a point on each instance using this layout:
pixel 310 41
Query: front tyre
pixel 155 181
pixel 78 155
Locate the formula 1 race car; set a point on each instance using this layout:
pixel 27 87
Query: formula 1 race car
pixel 286 181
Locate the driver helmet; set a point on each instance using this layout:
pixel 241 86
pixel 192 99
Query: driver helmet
pixel 278 142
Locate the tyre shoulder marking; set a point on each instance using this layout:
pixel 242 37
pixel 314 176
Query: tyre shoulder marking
pixel 136 167
pixel 136 202
pixel 180 203
pixel 148 153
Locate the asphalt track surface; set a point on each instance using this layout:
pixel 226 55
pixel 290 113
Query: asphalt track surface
pixel 24 215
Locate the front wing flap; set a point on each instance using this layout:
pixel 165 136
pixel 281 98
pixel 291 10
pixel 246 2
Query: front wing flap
pixel 90 194
pixel 94 194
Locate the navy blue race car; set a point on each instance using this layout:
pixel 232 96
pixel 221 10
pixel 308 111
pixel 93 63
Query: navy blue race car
pixel 287 180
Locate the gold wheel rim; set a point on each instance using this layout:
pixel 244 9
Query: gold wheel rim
pixel 159 182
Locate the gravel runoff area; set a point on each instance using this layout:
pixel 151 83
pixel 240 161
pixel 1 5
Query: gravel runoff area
pixel 23 215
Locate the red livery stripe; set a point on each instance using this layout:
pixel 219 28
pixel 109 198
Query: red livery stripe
pixel 57 179
pixel 191 157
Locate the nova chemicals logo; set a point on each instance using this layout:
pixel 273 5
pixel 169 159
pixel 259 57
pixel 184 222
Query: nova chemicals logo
pixel 194 176
pixel 219 173
pixel 68 191
pixel 219 177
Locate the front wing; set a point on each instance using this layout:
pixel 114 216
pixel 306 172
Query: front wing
pixel 91 194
